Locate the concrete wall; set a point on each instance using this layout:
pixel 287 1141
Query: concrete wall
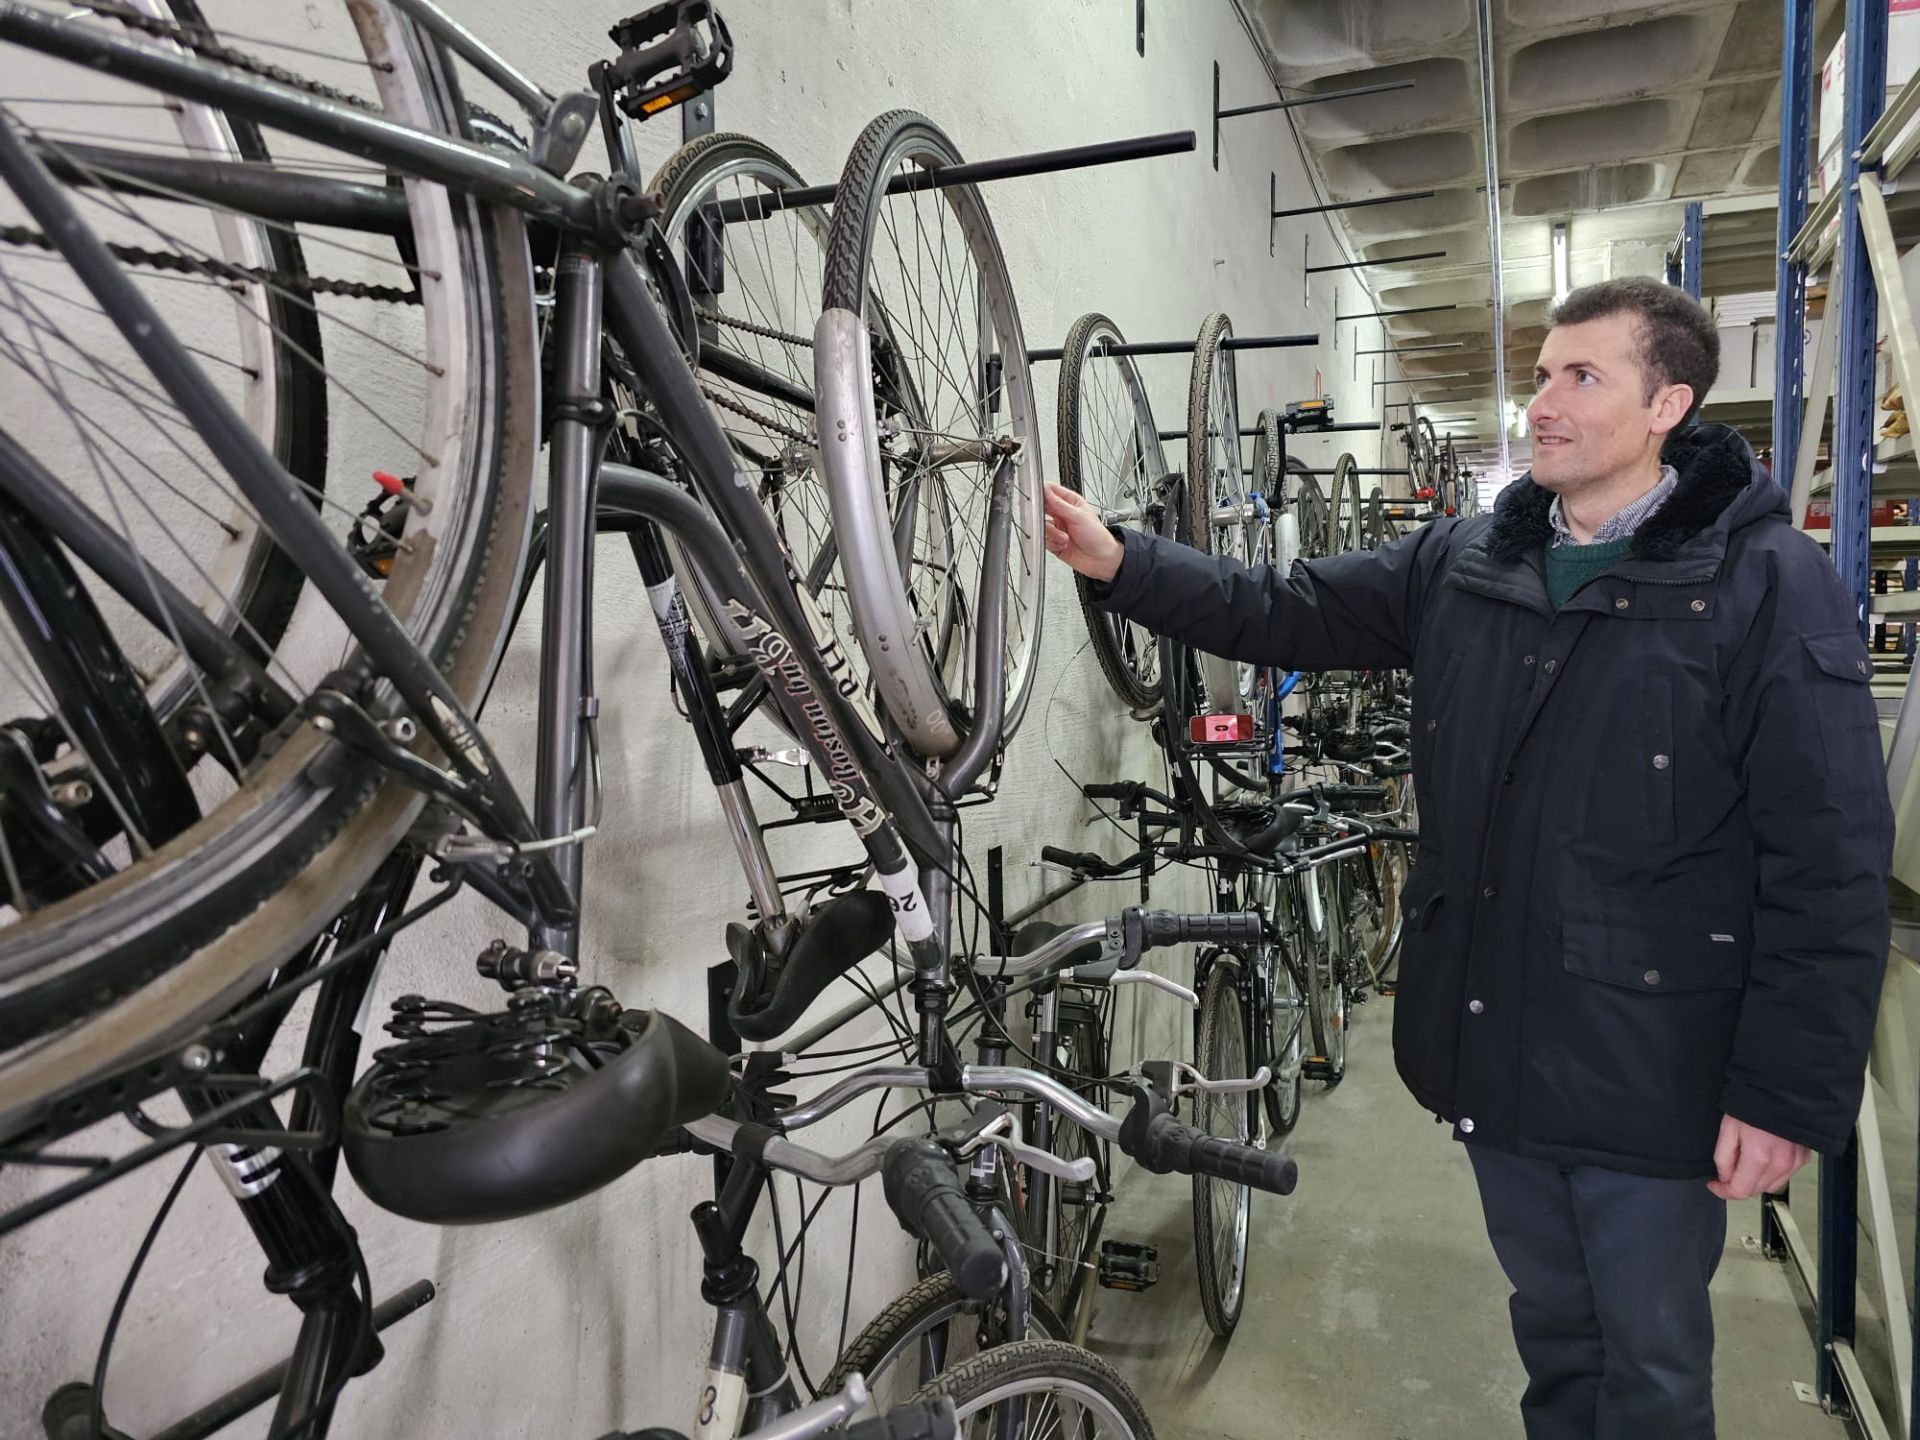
pixel 589 1318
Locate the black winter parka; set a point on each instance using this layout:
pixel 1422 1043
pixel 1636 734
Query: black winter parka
pixel 1655 833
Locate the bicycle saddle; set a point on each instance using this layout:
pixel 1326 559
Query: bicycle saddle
pixel 770 994
pixel 476 1117
pixel 1260 834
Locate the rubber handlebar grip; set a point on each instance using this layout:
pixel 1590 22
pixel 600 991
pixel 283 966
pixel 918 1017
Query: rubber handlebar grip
pixel 925 1195
pixel 1194 1152
pixel 1165 927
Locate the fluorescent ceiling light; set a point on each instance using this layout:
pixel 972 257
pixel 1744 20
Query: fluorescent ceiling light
pixel 1562 270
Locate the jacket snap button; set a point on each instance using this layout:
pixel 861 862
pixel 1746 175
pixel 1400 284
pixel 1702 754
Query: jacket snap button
pixel 1652 977
pixel 1507 779
pixel 1698 606
pixel 1861 666
pixel 1526 659
pixel 1475 1006
pixel 1466 1125
pixel 1552 665
pixel 1660 762
pixel 1433 724
pixel 1621 603
pixel 1488 893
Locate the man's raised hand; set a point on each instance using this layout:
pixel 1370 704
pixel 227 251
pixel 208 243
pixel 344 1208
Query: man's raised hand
pixel 1075 535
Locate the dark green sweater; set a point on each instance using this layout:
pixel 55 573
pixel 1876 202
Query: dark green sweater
pixel 1571 566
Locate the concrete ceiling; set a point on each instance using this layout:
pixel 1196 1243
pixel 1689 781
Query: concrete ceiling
pixel 1611 115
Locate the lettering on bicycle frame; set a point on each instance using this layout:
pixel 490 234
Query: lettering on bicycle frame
pixel 775 657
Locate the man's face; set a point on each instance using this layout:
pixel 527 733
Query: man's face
pixel 1590 417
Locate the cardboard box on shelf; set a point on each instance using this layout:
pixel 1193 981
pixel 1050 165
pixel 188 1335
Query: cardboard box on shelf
pixel 1903 59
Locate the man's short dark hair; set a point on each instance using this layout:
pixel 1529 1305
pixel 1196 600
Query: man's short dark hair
pixel 1676 342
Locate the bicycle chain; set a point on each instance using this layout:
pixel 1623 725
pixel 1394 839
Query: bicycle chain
pixel 168 260
pixel 766 332
pixel 727 402
pixel 204 46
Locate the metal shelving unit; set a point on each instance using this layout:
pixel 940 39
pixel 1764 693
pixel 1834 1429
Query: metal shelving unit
pixel 1852 238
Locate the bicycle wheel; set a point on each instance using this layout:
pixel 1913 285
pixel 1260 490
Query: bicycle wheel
pixel 923 1334
pixel 1309 505
pixel 1040 1390
pixel 180 926
pixel 1264 478
pixel 1425 443
pixel 1373 520
pixel 922 379
pixel 1221 1209
pixel 1216 491
pixel 755 284
pixel 1328 1005
pixel 1345 507
pixel 1282 1017
pixel 1110 452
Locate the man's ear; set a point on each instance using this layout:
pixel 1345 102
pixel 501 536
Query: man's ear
pixel 1670 407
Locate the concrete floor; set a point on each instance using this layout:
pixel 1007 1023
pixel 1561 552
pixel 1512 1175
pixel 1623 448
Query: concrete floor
pixel 1375 1308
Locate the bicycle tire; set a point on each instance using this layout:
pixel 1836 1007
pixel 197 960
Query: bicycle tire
pixel 1343 501
pixel 1328 1005
pixel 184 932
pixel 691 174
pixel 1214 480
pixel 1222 1210
pixel 1282 1097
pixel 1267 447
pixel 1309 504
pixel 1126 653
pixel 1026 1372
pixel 916 1311
pixel 912 678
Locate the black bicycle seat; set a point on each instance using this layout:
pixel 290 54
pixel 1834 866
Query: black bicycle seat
pixel 1262 834
pixel 478 1117
pixel 770 995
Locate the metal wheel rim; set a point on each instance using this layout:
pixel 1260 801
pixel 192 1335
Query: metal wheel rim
pixel 1224 1198
pixel 1226 487
pixel 916 696
pixel 1135 644
pixel 775 173
pixel 1091 1401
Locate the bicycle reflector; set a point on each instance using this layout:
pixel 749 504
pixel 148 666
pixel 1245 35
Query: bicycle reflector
pixel 1220 729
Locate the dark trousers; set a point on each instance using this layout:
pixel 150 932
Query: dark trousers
pixel 1610 1307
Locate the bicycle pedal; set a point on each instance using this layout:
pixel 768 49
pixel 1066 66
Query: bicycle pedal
pixel 1388 988
pixel 1317 1067
pixel 1127 1266
pixel 1357 997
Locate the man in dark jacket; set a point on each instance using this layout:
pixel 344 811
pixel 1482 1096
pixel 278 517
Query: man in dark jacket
pixel 1646 929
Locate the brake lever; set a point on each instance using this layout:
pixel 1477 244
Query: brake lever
pixel 1079 1171
pixel 1174 1078
pixel 1157 982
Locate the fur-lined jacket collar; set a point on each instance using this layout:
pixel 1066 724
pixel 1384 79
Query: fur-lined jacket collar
pixel 1721 487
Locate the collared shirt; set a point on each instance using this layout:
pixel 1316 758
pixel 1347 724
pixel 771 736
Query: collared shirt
pixel 1624 523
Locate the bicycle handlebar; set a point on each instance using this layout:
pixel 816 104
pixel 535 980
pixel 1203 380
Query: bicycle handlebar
pixel 1151 1135
pixel 1085 862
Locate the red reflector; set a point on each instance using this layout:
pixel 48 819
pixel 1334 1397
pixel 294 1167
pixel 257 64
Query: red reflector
pixel 392 484
pixel 1219 729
